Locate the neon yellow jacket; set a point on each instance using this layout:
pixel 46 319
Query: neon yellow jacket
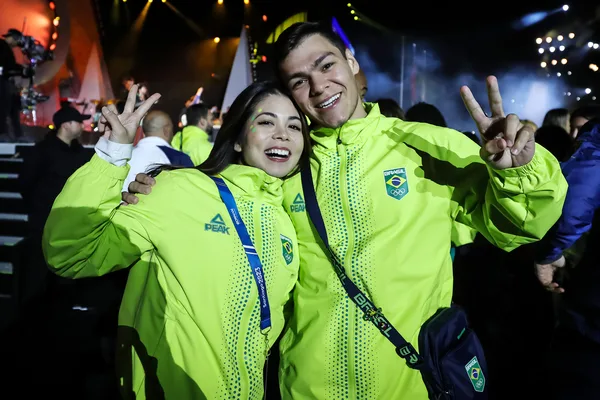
pixel 389 192
pixel 189 320
pixel 195 143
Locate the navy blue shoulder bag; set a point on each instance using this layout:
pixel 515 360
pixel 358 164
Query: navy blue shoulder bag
pixel 450 358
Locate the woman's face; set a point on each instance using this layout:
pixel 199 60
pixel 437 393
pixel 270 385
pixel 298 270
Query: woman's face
pixel 273 137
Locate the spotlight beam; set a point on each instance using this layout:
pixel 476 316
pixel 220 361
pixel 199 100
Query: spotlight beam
pixel 368 21
pixel 187 20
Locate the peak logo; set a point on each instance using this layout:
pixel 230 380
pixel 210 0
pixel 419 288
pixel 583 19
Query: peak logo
pixel 298 204
pixel 217 224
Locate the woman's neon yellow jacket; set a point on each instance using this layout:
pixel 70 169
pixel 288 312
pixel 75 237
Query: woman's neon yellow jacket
pixel 390 192
pixel 189 320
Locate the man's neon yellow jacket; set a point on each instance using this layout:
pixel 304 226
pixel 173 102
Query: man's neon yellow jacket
pixel 189 320
pixel 390 192
pixel 195 143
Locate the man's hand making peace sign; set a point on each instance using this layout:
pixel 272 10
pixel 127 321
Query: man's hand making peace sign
pixel 507 143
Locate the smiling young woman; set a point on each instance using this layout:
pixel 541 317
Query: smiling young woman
pixel 213 254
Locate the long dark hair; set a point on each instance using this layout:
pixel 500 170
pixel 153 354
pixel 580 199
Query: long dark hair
pixel 244 106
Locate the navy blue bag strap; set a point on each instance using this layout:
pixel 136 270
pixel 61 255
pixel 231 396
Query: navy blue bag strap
pixel 255 264
pixel 371 313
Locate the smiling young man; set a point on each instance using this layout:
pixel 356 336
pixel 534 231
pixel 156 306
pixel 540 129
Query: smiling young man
pixel 390 192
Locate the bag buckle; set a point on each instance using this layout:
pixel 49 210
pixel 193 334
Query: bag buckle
pixel 410 355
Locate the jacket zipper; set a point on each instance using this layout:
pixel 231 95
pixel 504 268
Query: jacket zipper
pixel 347 260
pixel 257 205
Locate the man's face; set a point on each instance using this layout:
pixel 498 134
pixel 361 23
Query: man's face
pixel 11 41
pixel 75 128
pixel 322 82
pixel 206 123
pixel 576 124
pixel 128 83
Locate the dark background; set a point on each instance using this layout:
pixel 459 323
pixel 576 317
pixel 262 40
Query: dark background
pixel 173 48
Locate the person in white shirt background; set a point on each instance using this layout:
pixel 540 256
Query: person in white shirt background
pixel 155 148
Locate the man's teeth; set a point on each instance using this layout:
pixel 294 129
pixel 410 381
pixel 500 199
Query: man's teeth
pixel 277 153
pixel 329 102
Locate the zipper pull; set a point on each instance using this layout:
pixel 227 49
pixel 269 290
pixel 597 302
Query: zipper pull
pixel 266 367
pixel 339 140
pixel 267 349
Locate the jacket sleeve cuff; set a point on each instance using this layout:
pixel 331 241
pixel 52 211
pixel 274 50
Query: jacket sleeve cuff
pixel 105 168
pixel 546 252
pixel 115 153
pixel 549 259
pixel 524 170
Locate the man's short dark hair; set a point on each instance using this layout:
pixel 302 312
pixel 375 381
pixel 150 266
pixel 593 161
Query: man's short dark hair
pixel 195 113
pixel 297 33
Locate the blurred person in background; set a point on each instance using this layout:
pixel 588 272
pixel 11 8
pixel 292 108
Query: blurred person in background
pixel 427 113
pixel 390 108
pixel 155 148
pixel 580 116
pixel 573 364
pixel 558 117
pixel 46 168
pixel 556 140
pixel 194 138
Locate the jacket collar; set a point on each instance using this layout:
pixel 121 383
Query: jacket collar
pixel 351 132
pixel 153 141
pixel 253 182
pixel 195 131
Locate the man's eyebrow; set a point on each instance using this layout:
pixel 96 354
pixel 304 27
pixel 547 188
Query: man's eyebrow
pixel 320 59
pixel 314 65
